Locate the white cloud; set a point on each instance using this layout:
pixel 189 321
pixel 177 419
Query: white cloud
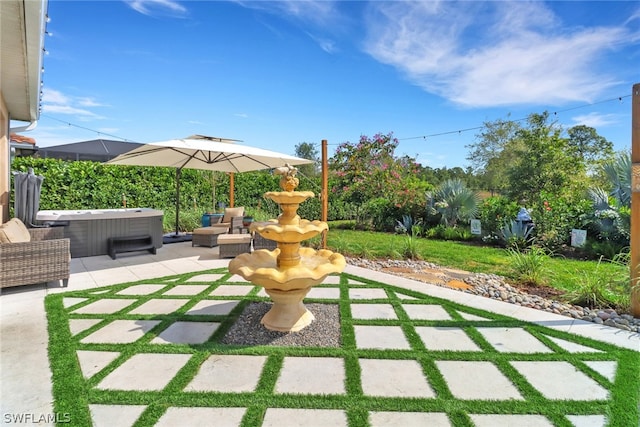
pixel 595 120
pixel 492 53
pixel 152 7
pixel 54 101
pixel 320 14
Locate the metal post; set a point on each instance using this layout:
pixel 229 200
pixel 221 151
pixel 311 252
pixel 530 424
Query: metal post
pixel 178 176
pixel 635 201
pixel 325 191
pixel 232 189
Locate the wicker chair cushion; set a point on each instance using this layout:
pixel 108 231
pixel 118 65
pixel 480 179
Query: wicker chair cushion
pixel 14 231
pixel 231 212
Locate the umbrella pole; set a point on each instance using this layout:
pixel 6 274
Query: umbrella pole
pixel 178 173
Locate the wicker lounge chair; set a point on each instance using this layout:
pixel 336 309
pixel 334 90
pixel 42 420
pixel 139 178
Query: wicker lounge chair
pixel 34 255
pixel 229 213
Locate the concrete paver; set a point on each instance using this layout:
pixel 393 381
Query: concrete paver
pixel 492 420
pixel 409 419
pixel 279 417
pixel 78 325
pixel 381 337
pixel 115 415
pixel 604 368
pixel 228 373
pixel 444 338
pixel 574 385
pixel 477 380
pixel 220 417
pixel 326 293
pixel 145 289
pixel 311 375
pixel 120 332
pixel 159 306
pixel 213 307
pixel 92 362
pixel 205 277
pixel 186 290
pixel 367 293
pixel 186 333
pixel 145 371
pixel 105 306
pixel 513 340
pixel 373 311
pixel 426 312
pixel 394 378
pixel 231 290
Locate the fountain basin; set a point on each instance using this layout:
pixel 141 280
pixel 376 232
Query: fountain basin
pixel 289 233
pixel 289 197
pixel 260 267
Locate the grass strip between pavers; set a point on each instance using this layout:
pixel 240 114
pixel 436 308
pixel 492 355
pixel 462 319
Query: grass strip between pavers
pixel 73 393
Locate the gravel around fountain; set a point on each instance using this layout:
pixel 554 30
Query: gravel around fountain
pixel 324 331
pixel 496 287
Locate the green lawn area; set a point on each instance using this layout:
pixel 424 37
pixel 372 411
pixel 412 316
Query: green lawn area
pixel 559 272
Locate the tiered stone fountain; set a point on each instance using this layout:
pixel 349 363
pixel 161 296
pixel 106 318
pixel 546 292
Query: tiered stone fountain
pixel 288 272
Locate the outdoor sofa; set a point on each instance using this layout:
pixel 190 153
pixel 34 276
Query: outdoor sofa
pixel 32 255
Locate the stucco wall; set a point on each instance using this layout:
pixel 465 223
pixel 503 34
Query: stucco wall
pixel 4 161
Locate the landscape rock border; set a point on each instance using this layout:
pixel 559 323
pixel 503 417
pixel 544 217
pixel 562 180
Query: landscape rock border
pixel 495 287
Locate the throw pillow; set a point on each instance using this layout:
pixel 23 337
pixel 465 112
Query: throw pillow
pixel 14 231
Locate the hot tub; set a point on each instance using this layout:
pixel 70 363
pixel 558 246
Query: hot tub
pixel 89 230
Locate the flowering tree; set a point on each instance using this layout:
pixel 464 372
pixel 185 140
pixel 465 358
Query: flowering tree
pixel 366 173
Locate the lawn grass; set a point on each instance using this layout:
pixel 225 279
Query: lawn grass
pixel 73 393
pixel 562 273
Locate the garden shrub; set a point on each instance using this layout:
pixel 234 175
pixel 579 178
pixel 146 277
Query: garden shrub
pixel 495 212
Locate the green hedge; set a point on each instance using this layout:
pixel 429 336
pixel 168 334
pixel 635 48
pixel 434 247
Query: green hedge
pixel 94 185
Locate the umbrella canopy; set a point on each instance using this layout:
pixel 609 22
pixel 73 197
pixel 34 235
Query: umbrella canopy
pixel 204 153
pixel 27 196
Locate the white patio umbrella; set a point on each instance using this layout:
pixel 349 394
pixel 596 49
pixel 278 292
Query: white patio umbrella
pixel 205 153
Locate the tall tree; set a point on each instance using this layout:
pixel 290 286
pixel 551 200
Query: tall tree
pixel 308 151
pixel 492 153
pixel 544 161
pixel 596 150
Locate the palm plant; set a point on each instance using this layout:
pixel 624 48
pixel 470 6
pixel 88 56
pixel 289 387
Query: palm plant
pixel 455 202
pixel 612 209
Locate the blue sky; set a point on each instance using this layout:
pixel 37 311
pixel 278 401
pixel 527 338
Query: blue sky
pixel 275 74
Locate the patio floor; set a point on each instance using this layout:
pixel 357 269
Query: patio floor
pixel 422 325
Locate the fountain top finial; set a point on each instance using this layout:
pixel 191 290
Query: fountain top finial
pixel 288 182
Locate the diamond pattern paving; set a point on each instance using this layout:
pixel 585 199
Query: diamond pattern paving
pixel 406 360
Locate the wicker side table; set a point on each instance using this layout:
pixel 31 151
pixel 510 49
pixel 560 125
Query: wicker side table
pixel 260 242
pixel 207 236
pixel 232 245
